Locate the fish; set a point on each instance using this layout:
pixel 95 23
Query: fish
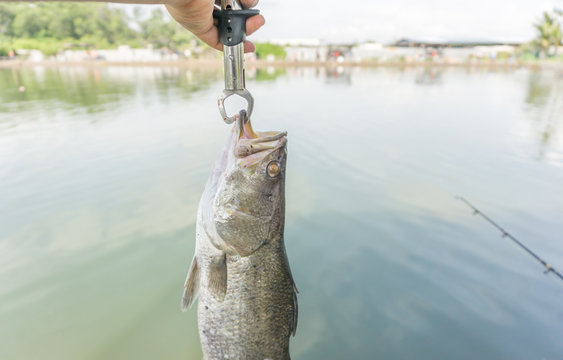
pixel 240 274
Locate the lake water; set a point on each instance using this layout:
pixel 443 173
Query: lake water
pixel 101 170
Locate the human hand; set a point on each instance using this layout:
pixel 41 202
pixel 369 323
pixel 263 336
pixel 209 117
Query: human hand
pixel 196 16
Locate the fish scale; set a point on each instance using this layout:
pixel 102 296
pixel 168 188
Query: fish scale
pixel 253 320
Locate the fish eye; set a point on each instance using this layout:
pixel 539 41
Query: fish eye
pixel 273 169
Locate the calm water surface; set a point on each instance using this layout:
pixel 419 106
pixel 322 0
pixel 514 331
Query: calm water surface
pixel 101 171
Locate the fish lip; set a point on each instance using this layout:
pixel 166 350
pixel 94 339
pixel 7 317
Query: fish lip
pixel 248 142
pixel 265 143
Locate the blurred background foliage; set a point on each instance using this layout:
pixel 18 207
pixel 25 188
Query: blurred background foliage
pixel 548 33
pixel 264 50
pixel 52 27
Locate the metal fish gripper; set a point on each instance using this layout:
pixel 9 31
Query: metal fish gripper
pixel 231 19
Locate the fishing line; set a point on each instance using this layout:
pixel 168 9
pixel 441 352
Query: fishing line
pixel 505 234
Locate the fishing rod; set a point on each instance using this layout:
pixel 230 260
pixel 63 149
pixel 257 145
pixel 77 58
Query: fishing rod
pixel 548 268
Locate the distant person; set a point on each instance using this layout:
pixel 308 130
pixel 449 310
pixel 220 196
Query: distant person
pixel 196 16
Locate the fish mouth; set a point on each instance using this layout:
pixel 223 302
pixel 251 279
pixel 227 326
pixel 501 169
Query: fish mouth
pixel 256 144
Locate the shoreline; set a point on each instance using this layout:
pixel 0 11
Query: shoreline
pixel 218 64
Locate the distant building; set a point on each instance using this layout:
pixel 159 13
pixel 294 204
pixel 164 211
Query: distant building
pixel 368 51
pixel 305 53
pixel 403 50
pixel 122 54
pixel 442 43
pixel 435 49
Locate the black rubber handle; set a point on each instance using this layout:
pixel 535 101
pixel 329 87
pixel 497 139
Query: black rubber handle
pixel 232 25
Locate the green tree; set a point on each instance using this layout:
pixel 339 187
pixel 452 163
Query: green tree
pixel 163 32
pixel 28 22
pixel 52 26
pixel 112 24
pixel 549 32
pixel 7 14
pixel 66 21
pixel 157 30
pixel 265 49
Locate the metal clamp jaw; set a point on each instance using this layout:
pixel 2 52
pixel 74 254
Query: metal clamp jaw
pixel 232 32
pixel 245 94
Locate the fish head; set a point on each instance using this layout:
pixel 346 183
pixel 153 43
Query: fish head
pixel 249 206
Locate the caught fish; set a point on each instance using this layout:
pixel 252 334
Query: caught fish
pixel 247 307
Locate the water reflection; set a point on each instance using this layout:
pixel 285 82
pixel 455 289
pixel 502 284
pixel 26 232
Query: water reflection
pixel 429 76
pixel 269 73
pixel 545 106
pixel 338 75
pixel 97 226
pixel 81 88
pixel 93 89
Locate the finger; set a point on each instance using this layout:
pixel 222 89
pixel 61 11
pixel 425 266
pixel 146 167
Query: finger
pixel 254 23
pixel 249 3
pixel 211 38
pixel 249 46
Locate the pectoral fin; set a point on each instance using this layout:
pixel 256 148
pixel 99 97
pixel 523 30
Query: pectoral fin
pixel 218 277
pixel 191 286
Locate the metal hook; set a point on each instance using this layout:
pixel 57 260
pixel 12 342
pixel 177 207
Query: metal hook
pixel 243 93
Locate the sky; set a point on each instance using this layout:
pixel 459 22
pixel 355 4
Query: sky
pixel 389 20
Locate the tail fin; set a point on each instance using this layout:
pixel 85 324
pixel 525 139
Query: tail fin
pixel 191 286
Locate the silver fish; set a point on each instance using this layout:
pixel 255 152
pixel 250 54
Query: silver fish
pixel 247 306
